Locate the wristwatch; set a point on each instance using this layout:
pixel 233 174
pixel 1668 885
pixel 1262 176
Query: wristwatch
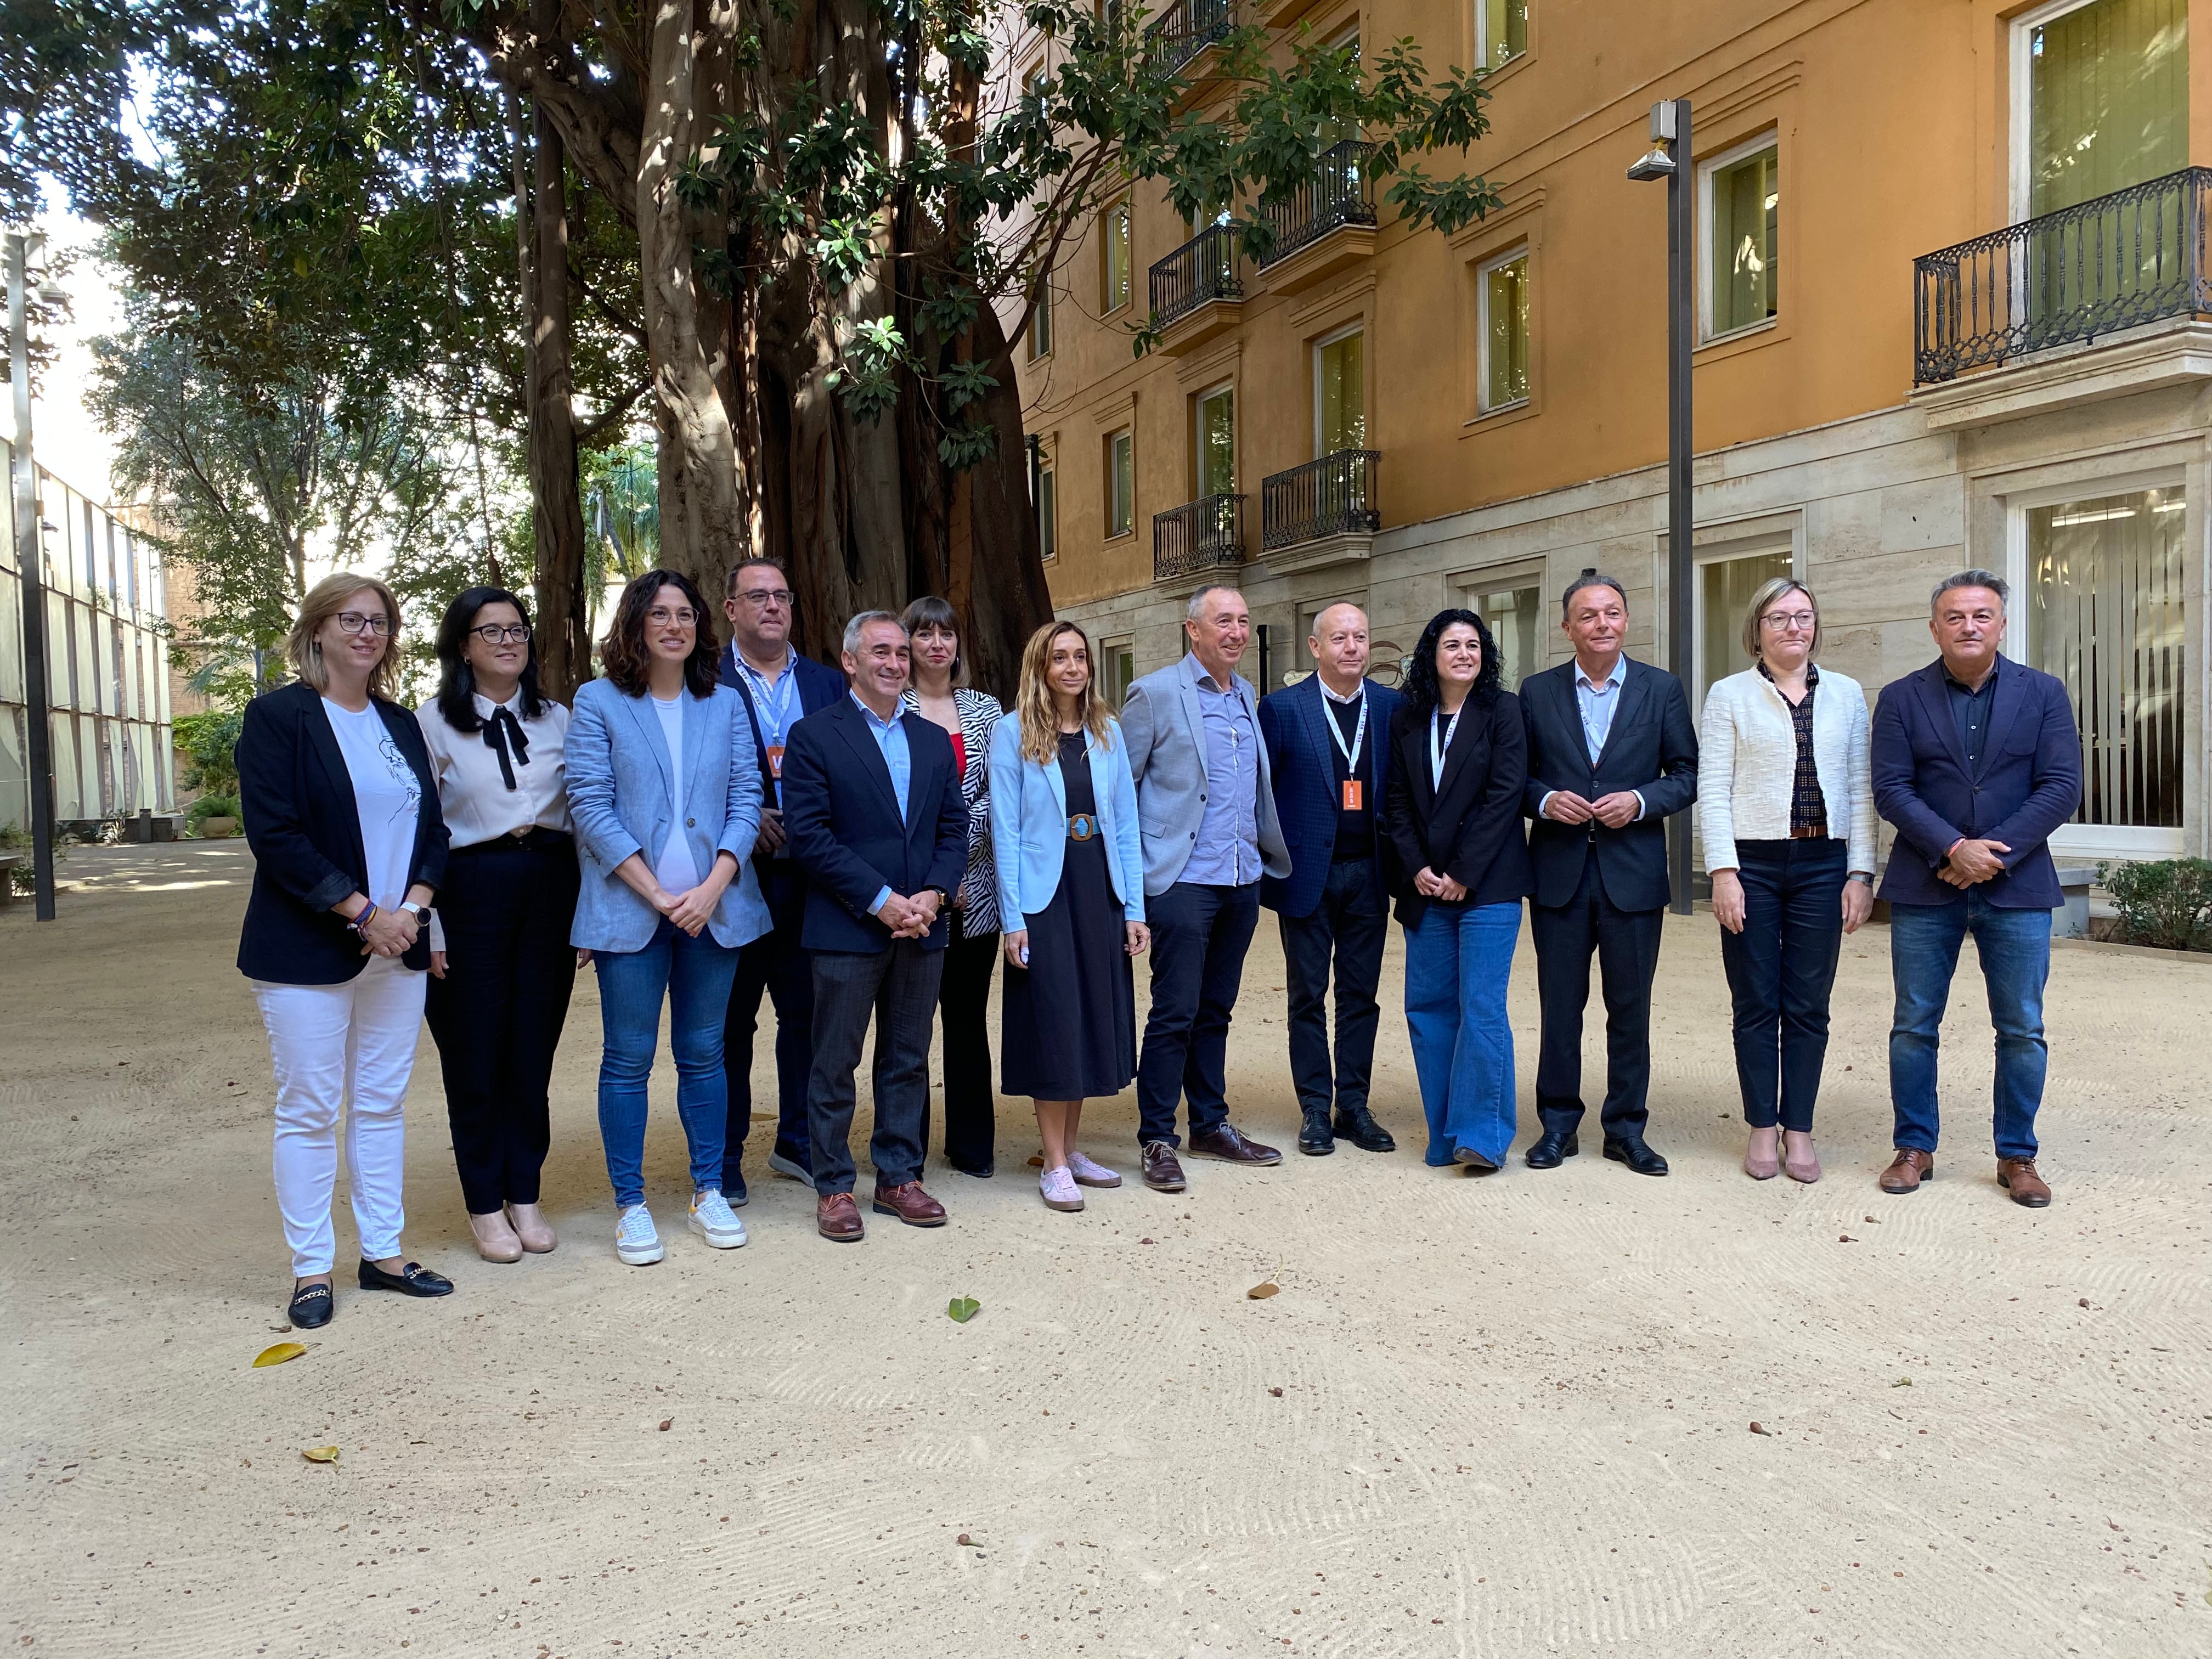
pixel 420 912
pixel 943 898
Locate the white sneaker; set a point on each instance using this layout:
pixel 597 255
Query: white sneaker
pixel 635 1241
pixel 1059 1190
pixel 714 1220
pixel 1088 1174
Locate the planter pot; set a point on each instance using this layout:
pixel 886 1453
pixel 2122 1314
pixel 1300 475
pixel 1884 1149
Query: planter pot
pixel 216 827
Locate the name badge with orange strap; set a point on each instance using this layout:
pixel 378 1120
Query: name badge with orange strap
pixel 775 761
pixel 1355 786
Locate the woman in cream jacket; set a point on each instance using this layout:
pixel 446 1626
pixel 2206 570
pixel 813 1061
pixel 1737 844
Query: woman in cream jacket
pixel 1786 804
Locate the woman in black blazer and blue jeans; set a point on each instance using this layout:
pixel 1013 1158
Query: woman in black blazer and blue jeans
pixel 341 811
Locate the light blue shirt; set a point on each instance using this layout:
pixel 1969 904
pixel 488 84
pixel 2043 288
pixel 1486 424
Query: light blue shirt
pixel 898 760
pixel 777 706
pixel 1227 852
pixel 1598 702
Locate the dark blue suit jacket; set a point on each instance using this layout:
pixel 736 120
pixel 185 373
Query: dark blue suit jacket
pixel 2030 782
pixel 843 818
pixel 1302 757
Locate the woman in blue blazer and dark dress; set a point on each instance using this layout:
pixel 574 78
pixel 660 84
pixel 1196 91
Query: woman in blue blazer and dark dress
pixel 341 810
pixel 1071 871
pixel 665 797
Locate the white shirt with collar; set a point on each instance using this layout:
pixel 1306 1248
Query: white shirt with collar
pixel 472 791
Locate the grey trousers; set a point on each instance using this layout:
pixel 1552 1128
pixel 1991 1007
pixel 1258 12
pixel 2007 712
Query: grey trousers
pixel 897 988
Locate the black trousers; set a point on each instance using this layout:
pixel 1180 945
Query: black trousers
pixel 971 1098
pixel 506 908
pixel 1781 968
pixel 896 988
pixel 1200 936
pixel 775 964
pixel 1627 946
pixel 1350 922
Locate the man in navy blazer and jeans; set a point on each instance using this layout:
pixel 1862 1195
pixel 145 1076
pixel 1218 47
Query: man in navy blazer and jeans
pixel 1328 746
pixel 1977 759
pixel 780 687
pixel 872 806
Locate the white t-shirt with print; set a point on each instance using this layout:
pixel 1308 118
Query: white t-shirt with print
pixel 386 794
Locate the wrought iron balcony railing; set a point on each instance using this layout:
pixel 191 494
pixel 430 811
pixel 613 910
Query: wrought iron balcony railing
pixel 2135 256
pixel 1331 496
pixel 1204 535
pixel 1202 269
pixel 1186 29
pixel 1341 192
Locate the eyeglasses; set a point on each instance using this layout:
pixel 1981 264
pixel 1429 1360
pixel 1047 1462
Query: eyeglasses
pixel 760 598
pixel 1778 620
pixel 352 621
pixel 493 634
pixel 660 616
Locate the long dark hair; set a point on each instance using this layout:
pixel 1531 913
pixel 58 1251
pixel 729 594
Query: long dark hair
pixel 626 658
pixel 1421 687
pixel 457 681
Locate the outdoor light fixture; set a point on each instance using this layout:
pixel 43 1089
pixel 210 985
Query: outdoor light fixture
pixel 1658 161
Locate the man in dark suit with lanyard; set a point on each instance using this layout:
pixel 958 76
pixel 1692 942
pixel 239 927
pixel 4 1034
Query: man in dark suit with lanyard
pixel 1612 754
pixel 1329 747
pixel 780 687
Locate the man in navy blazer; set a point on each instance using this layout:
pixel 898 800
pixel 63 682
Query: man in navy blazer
pixel 1977 759
pixel 780 687
pixel 1328 748
pixel 872 806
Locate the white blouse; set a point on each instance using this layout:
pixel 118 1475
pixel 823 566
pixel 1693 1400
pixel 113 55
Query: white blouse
pixel 472 789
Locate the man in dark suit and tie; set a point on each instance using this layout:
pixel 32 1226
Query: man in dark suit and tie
pixel 1328 748
pixel 872 806
pixel 1612 754
pixel 1977 759
pixel 780 687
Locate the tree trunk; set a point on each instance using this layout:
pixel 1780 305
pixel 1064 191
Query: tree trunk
pixel 564 644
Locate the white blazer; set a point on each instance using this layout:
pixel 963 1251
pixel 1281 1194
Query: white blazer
pixel 1748 765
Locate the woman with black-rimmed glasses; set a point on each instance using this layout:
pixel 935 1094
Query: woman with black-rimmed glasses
pixel 501 964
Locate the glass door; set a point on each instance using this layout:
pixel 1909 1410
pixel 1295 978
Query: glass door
pixel 1217 442
pixel 1341 394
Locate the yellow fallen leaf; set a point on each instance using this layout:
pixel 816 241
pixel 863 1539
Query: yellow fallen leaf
pixel 1261 1292
pixel 278 1355
pixel 320 1453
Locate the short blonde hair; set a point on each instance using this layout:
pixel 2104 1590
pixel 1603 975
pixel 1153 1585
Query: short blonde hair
pixel 1763 601
pixel 323 601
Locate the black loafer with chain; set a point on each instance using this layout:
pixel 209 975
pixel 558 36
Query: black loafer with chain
pixel 310 1307
pixel 413 1279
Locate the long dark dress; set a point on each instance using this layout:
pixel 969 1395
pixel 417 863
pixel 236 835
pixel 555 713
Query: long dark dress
pixel 1070 1016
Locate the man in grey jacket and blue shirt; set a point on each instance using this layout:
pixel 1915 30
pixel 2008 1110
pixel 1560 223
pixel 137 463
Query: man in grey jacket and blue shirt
pixel 1207 803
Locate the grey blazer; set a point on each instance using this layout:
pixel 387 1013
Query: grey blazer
pixel 1167 757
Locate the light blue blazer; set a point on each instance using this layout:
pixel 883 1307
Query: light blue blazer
pixel 619 791
pixel 1029 824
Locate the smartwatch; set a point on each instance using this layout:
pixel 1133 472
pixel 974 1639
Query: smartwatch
pixel 420 912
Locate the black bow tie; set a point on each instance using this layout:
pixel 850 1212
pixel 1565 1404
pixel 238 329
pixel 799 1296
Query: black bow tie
pixel 502 734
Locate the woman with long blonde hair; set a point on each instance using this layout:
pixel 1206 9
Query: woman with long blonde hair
pixel 1071 868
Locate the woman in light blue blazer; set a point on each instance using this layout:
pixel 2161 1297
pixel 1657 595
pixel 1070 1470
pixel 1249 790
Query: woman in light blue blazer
pixel 665 793
pixel 1071 865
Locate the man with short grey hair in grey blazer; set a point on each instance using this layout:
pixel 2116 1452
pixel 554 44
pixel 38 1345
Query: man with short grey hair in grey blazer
pixel 1207 807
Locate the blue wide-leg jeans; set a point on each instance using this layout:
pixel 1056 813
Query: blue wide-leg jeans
pixel 1458 962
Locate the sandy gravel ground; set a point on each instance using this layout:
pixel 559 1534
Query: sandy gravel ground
pixel 1501 1416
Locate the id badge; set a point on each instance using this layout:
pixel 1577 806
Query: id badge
pixel 1355 793
pixel 775 761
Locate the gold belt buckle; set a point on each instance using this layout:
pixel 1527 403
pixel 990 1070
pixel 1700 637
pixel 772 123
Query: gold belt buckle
pixel 1082 826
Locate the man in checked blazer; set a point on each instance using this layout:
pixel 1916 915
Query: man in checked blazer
pixel 1612 754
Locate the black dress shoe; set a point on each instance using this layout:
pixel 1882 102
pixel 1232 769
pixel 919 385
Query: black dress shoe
pixel 413 1279
pixel 1359 1127
pixel 983 1173
pixel 1549 1149
pixel 1473 1160
pixel 310 1307
pixel 1315 1138
pixel 1635 1154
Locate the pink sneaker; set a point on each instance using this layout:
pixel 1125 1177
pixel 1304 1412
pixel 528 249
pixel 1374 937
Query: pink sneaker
pixel 1088 1174
pixel 1059 1190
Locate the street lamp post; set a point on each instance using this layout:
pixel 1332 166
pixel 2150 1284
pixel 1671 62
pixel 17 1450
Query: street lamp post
pixel 1671 158
pixel 38 768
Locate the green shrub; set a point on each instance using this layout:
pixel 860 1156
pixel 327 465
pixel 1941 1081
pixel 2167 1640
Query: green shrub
pixel 2167 903
pixel 210 806
pixel 16 839
pixel 208 741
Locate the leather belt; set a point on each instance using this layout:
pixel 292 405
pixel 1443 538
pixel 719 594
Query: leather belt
pixel 1081 826
pixel 1810 832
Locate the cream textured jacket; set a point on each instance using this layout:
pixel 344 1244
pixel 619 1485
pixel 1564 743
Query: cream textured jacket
pixel 1748 765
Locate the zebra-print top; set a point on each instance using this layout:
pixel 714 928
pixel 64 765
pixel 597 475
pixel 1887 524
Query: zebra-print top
pixel 980 712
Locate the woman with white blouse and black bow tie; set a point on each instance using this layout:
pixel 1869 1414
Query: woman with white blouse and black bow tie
pixel 501 967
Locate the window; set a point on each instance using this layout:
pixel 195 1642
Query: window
pixel 1047 514
pixel 1503 299
pixel 1340 393
pixel 1503 30
pixel 2101 100
pixel 2104 601
pixel 1725 585
pixel 1332 133
pixel 1033 79
pixel 1216 446
pixel 1115 265
pixel 1117 671
pixel 1041 323
pixel 1514 615
pixel 1741 193
pixel 1121 484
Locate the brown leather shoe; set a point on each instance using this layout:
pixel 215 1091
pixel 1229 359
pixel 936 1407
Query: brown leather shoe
pixel 1908 1169
pixel 2017 1176
pixel 1162 1173
pixel 910 1205
pixel 837 1218
pixel 1226 1144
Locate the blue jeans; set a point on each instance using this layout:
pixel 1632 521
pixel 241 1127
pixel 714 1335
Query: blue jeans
pixel 1781 968
pixel 694 975
pixel 1457 963
pixel 2015 948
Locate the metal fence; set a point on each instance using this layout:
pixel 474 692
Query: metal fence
pixel 1331 496
pixel 1188 29
pixel 1204 535
pixel 1202 269
pixel 1340 193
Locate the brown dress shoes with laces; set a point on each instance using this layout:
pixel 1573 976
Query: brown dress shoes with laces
pixel 1230 1147
pixel 837 1218
pixel 2017 1176
pixel 910 1205
pixel 1908 1169
pixel 1163 1172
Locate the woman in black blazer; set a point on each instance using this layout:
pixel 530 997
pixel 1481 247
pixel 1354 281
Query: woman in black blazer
pixel 341 811
pixel 1453 815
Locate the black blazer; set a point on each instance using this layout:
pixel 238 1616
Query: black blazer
pixel 305 831
pixel 843 818
pixel 1652 749
pixel 1470 829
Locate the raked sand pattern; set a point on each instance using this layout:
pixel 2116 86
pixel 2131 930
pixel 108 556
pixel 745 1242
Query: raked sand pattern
pixel 1485 1417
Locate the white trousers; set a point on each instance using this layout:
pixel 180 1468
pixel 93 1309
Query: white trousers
pixel 347 1048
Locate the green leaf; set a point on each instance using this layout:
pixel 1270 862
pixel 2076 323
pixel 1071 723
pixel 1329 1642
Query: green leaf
pixel 961 1309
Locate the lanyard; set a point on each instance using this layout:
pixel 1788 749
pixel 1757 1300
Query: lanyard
pixel 775 705
pixel 1358 732
pixel 1436 750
